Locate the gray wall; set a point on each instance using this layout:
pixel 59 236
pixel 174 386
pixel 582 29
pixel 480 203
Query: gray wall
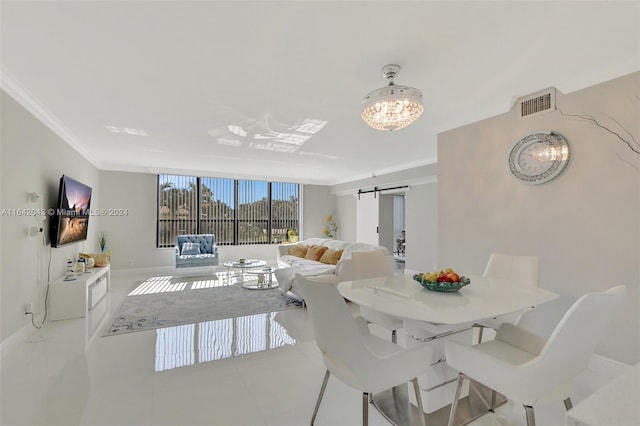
pixel 386 237
pixel 584 225
pixel 33 160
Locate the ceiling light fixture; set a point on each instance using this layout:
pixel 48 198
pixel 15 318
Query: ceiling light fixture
pixel 392 107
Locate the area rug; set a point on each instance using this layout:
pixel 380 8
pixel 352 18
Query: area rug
pixel 169 301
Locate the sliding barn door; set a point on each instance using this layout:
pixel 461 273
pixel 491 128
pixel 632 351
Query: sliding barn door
pixel 367 209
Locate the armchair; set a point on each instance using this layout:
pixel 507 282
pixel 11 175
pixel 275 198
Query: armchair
pixel 196 250
pixel 529 369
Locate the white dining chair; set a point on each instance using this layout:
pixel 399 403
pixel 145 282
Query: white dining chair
pixel 351 353
pixel 524 367
pixel 520 271
pixel 373 264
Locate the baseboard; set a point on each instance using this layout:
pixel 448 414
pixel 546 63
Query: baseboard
pixel 172 270
pixel 19 336
pixel 152 271
pixel 11 342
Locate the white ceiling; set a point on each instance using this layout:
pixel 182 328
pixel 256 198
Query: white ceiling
pixel 184 72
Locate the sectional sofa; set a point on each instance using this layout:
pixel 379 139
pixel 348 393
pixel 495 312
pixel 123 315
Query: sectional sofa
pixel 325 259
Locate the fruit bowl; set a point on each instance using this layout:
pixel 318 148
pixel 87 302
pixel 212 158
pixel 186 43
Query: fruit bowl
pixel 443 281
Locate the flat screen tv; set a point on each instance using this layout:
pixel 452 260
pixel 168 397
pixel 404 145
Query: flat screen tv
pixel 71 219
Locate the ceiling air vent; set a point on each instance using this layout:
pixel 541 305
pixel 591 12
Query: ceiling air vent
pixel 538 103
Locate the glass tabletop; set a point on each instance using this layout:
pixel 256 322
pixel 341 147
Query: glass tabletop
pixel 248 263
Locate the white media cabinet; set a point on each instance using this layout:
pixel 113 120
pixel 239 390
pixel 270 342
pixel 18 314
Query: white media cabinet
pixel 74 299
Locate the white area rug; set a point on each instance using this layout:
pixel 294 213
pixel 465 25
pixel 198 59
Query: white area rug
pixel 169 301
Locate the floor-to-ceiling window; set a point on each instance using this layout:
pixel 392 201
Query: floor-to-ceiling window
pixel 236 211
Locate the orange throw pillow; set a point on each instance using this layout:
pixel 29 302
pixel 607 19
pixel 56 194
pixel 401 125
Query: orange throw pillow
pixel 331 257
pixel 299 250
pixel 315 252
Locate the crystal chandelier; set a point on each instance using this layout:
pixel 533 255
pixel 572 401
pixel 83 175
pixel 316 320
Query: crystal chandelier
pixel 392 107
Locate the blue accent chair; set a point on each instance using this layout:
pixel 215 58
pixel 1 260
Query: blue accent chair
pixel 196 250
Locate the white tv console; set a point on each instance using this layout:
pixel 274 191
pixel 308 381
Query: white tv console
pixel 74 299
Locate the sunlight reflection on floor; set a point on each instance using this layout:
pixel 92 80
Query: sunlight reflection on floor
pixel 214 340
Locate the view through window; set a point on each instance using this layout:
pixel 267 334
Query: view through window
pixel 235 211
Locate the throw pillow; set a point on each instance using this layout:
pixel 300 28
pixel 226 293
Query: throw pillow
pixel 315 252
pixel 331 257
pixel 190 248
pixel 299 250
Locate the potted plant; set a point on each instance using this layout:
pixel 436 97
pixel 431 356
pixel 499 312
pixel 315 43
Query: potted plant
pixel 292 235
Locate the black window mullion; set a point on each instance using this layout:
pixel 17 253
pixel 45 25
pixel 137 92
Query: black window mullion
pixel 269 213
pixel 236 202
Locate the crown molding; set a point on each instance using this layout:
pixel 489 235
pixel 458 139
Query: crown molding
pixel 31 104
pixel 388 170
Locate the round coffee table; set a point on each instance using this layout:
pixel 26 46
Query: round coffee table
pixel 264 279
pixel 243 266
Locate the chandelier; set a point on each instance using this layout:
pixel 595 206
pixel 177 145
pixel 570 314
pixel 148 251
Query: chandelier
pixel 392 107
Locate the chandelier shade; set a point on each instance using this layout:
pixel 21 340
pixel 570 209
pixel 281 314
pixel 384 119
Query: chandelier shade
pixel 392 107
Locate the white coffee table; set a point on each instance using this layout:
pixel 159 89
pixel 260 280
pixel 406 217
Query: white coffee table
pixel 243 266
pixel 264 279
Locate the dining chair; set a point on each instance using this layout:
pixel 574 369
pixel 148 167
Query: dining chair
pixel 520 271
pixel 373 264
pixel 351 353
pixel 524 367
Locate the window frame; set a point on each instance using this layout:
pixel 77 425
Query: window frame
pixel 199 222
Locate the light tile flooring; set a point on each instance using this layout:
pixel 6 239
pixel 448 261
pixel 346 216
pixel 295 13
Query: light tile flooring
pixel 76 377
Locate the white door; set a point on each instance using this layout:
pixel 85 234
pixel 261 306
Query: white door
pixel 367 218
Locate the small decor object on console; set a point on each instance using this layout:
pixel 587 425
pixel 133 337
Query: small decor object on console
pixel 445 281
pixel 539 157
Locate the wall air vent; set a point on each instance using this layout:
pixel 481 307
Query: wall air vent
pixel 538 103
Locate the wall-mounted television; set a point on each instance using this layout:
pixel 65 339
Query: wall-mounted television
pixel 71 219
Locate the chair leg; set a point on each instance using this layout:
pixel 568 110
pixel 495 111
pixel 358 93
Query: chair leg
pixel 480 334
pixel 493 401
pixel 416 389
pixel 365 408
pixel 320 395
pixel 456 397
pixel 568 405
pixel 531 419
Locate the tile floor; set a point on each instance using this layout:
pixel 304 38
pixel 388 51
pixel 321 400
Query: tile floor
pixel 178 377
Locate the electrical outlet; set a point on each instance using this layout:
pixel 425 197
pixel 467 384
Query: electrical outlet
pixel 28 308
pixel 34 230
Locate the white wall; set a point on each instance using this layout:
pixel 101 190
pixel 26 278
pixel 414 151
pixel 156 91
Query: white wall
pixel 33 160
pixel 346 208
pixel 421 216
pixel 317 204
pixel 584 226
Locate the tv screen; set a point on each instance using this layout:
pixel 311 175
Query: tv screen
pixel 71 220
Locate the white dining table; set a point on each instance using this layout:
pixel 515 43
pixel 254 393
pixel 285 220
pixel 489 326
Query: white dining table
pixel 403 297
pixel 434 317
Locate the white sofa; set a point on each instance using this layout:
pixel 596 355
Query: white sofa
pixel 289 265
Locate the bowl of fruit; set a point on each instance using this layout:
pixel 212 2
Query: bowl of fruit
pixel 446 280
